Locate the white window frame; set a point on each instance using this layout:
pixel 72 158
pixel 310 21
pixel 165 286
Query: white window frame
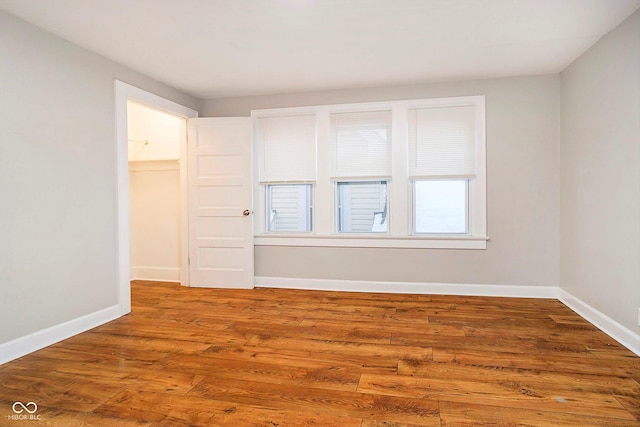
pixel 399 186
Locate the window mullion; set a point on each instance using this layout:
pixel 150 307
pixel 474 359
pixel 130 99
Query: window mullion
pixel 398 188
pixel 324 203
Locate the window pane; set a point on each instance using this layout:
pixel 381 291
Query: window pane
pixel 362 207
pixel 289 207
pixel 440 206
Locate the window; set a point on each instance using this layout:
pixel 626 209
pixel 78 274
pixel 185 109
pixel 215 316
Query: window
pixel 286 151
pixel 362 207
pixel 440 206
pixel 442 161
pixel 361 152
pixel 290 208
pixel 403 174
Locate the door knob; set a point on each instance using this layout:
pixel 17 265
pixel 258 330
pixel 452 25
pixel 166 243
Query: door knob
pixel 246 212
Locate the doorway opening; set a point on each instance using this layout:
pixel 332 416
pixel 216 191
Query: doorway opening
pixel 125 96
pixel 154 193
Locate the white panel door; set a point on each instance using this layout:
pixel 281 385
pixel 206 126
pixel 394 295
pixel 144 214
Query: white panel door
pixel 220 203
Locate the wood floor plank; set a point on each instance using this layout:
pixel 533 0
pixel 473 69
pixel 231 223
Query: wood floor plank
pixel 366 354
pixel 369 335
pixel 164 410
pixel 331 402
pixel 488 357
pixel 459 414
pixel 508 343
pixel 631 404
pixel 385 423
pixel 56 417
pixel 267 357
pixel 50 392
pixel 168 343
pixel 300 357
pixel 505 394
pixel 334 378
pixel 604 384
pixel 621 360
pixel 570 319
pixel 389 326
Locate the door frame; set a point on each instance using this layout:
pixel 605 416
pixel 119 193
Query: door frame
pixel 125 92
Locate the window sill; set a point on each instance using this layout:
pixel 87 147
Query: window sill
pixel 351 241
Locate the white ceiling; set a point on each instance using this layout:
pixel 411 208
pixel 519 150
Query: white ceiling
pixel 222 48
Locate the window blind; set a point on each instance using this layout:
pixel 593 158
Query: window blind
pixel 361 144
pixel 442 142
pixel 287 148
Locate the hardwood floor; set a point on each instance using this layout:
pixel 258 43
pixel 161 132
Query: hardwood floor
pixel 272 357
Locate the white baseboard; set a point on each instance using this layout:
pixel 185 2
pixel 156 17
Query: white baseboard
pixel 623 335
pixel 29 343
pixel 408 287
pixel 161 274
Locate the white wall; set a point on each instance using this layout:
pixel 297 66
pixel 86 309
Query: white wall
pixel 57 178
pixel 523 134
pixel 600 176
